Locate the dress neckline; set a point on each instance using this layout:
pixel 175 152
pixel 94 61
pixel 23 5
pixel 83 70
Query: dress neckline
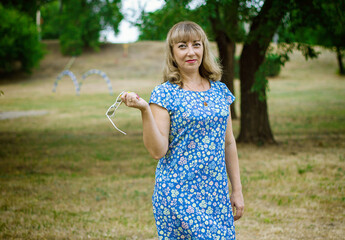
pixel 185 90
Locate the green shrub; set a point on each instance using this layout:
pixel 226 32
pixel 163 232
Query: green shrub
pixel 51 21
pixel 71 42
pixel 19 42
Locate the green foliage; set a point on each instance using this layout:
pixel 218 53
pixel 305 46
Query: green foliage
pixel 82 21
pixel 155 25
pixel 27 6
pixel 50 15
pixel 270 68
pixel 72 22
pixel 272 65
pixel 315 22
pixel 19 42
pixel 260 85
pixel 225 16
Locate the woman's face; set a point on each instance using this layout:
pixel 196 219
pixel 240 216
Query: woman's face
pixel 188 55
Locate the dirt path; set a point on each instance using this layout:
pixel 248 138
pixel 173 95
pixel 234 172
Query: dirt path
pixel 18 114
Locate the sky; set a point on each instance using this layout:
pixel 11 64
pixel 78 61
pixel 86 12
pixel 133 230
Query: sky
pixel 131 10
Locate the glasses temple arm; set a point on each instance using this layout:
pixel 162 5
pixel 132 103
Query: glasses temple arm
pixel 115 126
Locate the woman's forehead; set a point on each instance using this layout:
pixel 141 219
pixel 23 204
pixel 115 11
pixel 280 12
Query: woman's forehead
pixel 182 36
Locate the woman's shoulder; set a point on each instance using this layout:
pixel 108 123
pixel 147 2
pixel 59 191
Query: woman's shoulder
pixel 219 85
pixel 163 95
pixel 166 87
pixel 222 87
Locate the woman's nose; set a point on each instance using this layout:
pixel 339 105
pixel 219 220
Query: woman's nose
pixel 190 51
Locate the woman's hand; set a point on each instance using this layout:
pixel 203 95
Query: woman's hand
pixel 156 124
pixel 237 204
pixel 131 99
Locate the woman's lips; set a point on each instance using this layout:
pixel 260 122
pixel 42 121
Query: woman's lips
pixel 191 61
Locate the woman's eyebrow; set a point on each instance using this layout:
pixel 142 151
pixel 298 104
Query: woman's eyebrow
pixel 188 41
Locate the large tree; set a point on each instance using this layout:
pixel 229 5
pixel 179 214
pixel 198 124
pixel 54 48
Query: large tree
pixel 255 126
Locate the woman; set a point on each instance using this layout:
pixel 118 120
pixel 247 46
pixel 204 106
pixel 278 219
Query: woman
pixel 187 127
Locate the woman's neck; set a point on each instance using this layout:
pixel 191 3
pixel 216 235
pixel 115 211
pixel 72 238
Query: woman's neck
pixel 195 82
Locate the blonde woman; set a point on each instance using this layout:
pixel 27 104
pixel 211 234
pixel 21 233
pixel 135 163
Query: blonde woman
pixel 187 127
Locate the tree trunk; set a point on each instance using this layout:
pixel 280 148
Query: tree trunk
pixel 226 44
pixel 340 62
pixel 226 50
pixel 255 126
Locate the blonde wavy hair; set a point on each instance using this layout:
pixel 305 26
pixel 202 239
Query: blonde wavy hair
pixel 184 32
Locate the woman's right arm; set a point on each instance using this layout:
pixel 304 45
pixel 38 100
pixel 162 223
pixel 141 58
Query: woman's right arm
pixel 156 124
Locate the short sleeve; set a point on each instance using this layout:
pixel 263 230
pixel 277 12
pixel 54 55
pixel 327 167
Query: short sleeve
pixel 162 96
pixel 228 95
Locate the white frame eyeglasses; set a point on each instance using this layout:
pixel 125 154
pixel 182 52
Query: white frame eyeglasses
pixel 112 109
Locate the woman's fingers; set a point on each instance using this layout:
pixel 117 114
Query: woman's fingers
pixel 132 99
pixel 239 212
pixel 237 204
pixel 123 97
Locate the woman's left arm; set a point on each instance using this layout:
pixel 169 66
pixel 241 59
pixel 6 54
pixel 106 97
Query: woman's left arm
pixel 233 170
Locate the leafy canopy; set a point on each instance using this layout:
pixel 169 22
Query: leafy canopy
pixel 81 22
pixel 19 42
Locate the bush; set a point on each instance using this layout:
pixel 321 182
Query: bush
pixel 51 22
pixel 19 42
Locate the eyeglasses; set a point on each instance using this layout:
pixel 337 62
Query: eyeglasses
pixel 112 109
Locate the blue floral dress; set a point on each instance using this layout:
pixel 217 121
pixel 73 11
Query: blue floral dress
pixel 191 194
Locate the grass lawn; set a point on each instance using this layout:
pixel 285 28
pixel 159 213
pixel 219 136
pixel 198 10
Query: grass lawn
pixel 68 174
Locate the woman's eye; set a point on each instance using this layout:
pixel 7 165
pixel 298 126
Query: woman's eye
pixel 197 44
pixel 182 46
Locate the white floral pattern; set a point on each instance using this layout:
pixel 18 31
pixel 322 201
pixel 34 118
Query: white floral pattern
pixel 191 195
